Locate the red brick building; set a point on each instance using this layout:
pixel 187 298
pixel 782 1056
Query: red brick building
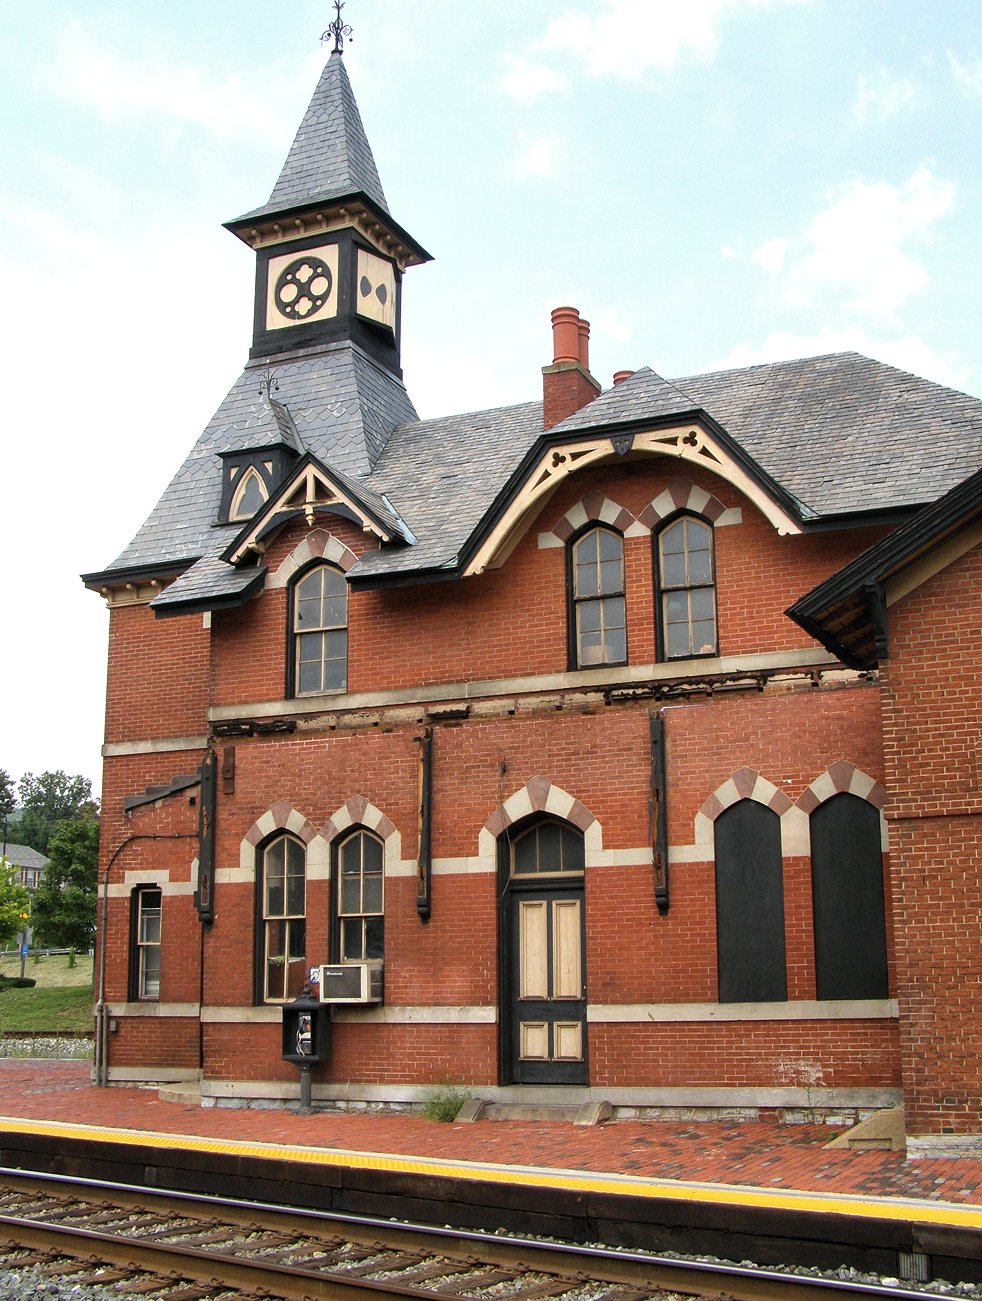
pixel 502 718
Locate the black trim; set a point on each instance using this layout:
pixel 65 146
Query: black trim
pixel 193 604
pixel 138 573
pixel 250 220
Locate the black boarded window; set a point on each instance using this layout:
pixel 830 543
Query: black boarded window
pixel 750 905
pixel 847 898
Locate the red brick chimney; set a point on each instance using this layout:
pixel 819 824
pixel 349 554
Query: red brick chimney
pixel 567 384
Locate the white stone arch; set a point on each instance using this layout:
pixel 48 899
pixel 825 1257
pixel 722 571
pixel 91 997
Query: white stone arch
pixel 319 544
pixel 357 811
pixel 748 784
pixel 844 778
pixel 539 795
pixel 281 816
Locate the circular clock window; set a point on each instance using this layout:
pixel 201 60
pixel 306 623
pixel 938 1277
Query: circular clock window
pixel 303 288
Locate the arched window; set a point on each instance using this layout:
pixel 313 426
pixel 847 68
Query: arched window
pixel 750 905
pixel 597 613
pixel 320 631
pixel 686 581
pixel 547 849
pixel 250 494
pixel 360 898
pixel 145 910
pixel 847 899
pixel 282 934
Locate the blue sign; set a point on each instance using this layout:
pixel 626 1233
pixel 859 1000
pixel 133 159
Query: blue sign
pixel 23 950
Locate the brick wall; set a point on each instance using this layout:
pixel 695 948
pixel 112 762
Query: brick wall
pixel 932 707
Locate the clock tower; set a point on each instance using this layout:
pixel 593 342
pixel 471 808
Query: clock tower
pixel 329 257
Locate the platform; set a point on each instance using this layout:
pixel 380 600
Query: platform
pixel 675 1175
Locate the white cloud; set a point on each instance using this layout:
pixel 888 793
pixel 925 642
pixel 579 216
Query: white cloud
pixel 123 87
pixel 538 156
pixel 907 351
pixel 968 76
pixel 881 96
pixel 628 39
pixel 770 255
pixel 858 246
pixel 528 79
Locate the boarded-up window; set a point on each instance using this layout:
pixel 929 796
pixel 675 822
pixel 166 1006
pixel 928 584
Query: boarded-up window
pixel 847 895
pixel 750 905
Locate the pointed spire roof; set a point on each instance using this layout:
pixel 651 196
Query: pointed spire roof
pixel 330 158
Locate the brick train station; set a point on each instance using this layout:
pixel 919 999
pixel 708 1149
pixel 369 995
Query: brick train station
pixel 619 747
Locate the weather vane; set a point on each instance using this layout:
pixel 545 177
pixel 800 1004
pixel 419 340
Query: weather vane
pixel 269 384
pixel 338 30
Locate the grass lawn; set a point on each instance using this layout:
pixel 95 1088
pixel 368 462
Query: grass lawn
pixel 61 1000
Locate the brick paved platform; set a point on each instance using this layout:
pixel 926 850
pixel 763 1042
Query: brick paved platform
pixel 759 1155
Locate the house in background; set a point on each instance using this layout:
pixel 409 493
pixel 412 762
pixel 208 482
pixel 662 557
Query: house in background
pixel 30 864
pixel 495 728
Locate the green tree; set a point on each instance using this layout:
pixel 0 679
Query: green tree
pixel 8 798
pixel 47 800
pixel 63 909
pixel 15 904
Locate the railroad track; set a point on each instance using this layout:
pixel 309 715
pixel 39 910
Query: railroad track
pixel 185 1248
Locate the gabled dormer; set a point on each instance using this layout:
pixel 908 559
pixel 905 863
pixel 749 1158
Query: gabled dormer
pixel 329 257
pixel 251 475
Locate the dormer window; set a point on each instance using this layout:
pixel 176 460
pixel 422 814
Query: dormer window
pixel 249 495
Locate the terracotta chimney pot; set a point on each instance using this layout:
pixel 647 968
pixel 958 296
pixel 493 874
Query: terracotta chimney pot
pixel 565 334
pixel 584 343
pixel 621 375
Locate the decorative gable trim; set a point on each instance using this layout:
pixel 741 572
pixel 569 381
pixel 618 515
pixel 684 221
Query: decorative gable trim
pixel 318 545
pixel 310 490
pixel 689 442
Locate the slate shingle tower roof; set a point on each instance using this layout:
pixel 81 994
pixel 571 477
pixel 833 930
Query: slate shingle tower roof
pixel 330 157
pixel 838 437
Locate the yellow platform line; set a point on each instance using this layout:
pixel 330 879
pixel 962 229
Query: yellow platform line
pixel 906 1209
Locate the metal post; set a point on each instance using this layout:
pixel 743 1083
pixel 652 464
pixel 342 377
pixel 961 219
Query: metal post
pixel 305 1091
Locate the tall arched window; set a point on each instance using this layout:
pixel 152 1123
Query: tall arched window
pixel 320 631
pixel 686 574
pixel 282 934
pixel 597 614
pixel 360 897
pixel 750 905
pixel 847 899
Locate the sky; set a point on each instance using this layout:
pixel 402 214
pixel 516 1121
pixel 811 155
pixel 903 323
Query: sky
pixel 712 183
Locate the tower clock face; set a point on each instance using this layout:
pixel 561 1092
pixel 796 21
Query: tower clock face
pixel 376 296
pixel 302 287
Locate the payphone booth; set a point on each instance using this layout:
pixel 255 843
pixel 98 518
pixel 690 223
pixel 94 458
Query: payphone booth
pixel 306 1039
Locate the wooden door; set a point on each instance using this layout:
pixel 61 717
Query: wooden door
pixel 547 986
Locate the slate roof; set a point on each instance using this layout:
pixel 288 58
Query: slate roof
pixel 330 157
pixel 344 407
pixel 842 434
pixel 846 611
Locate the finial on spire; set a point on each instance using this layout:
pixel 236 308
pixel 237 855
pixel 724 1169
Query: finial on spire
pixel 338 30
pixel 269 384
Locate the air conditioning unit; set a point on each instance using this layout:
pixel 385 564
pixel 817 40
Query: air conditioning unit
pixel 352 982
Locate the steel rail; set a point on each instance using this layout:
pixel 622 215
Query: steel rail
pixel 573 1261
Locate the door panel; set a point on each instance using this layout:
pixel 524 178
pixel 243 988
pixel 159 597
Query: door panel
pixel 545 1006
